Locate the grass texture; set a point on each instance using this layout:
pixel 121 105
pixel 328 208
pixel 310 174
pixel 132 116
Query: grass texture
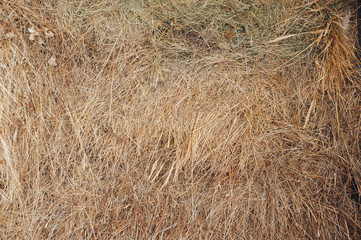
pixel 179 119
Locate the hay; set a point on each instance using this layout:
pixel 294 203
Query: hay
pixel 179 119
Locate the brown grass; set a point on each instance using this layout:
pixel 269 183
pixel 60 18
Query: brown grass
pixel 179 119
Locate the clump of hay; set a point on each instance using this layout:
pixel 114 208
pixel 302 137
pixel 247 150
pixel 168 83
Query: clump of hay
pixel 179 119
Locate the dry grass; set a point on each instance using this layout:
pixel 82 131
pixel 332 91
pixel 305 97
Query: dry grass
pixel 179 119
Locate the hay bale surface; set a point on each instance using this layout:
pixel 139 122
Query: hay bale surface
pixel 179 119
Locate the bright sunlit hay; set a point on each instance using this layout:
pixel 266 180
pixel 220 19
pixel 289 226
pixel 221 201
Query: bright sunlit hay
pixel 179 120
pixel 48 33
pixel 52 61
pixel 33 34
pixel 10 35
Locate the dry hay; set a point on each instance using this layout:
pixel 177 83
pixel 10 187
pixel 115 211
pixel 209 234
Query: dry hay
pixel 179 119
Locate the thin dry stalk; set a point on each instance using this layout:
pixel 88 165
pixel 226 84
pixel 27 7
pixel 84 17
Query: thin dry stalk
pixel 179 120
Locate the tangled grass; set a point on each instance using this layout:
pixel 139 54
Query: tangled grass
pixel 179 119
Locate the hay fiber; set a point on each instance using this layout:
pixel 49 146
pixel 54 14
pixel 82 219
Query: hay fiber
pixel 179 119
